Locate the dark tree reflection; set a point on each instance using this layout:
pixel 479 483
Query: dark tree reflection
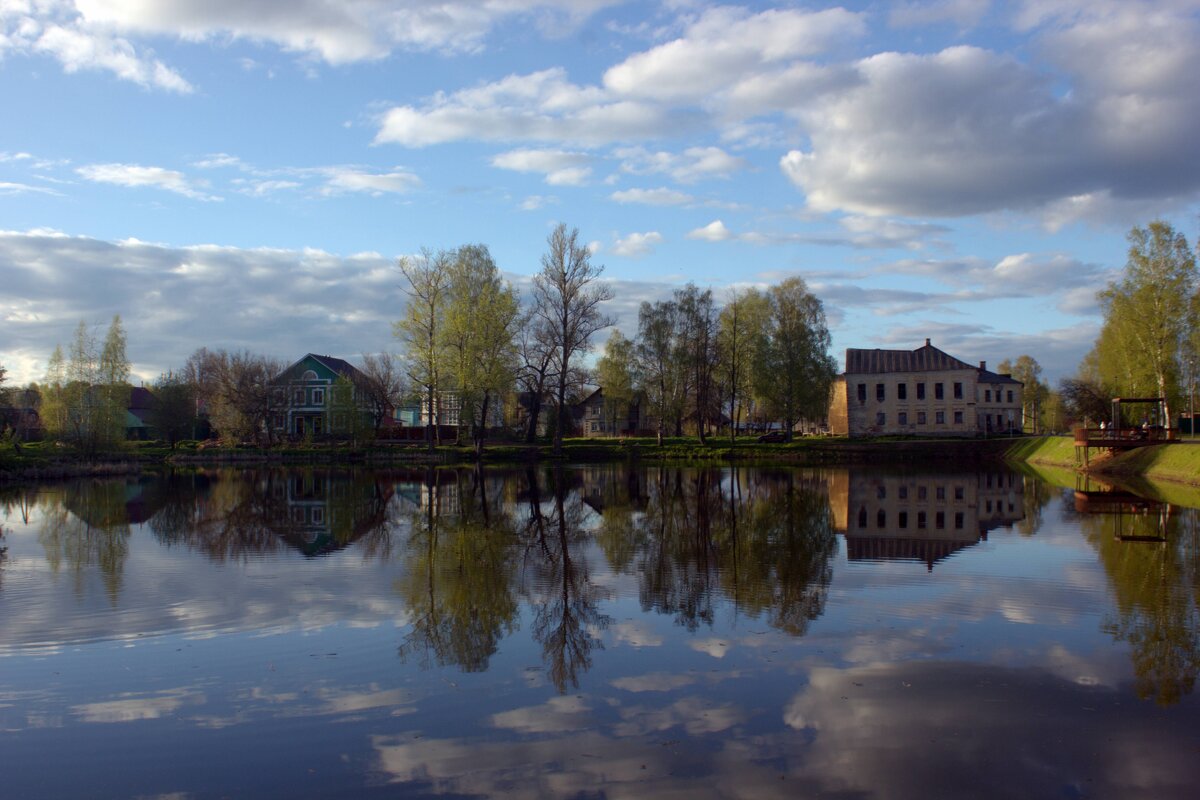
pixel 565 601
pixel 459 573
pixel 1156 586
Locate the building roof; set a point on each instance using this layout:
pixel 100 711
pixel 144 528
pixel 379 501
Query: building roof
pixel 986 376
pixel 923 359
pixel 336 365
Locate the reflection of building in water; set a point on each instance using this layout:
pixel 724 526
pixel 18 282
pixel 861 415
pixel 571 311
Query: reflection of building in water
pixel 322 511
pixel 924 517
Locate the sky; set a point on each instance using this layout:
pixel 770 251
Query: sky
pixel 244 174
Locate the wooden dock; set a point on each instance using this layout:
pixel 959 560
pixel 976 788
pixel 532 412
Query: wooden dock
pixel 1117 439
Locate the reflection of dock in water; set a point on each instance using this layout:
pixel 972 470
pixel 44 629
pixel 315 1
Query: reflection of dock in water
pixel 1137 518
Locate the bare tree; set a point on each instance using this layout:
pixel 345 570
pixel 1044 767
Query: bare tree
pixel 567 298
pixel 380 385
pixel 428 290
pixel 536 371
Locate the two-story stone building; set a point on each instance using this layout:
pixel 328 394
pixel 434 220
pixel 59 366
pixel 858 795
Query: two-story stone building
pixel 922 392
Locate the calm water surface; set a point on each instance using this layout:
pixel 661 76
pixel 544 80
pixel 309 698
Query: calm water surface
pixel 596 632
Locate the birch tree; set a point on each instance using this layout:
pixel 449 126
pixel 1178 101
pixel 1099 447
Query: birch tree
pixel 420 330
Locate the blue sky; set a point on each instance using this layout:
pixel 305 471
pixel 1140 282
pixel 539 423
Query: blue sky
pixel 244 173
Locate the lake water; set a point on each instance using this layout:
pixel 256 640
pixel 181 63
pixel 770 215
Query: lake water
pixel 600 631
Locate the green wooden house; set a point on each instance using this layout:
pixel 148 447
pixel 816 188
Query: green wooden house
pixel 312 397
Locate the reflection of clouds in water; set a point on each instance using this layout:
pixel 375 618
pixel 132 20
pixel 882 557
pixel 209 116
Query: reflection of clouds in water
pixel 556 715
pixel 654 682
pixel 638 634
pixel 587 764
pixel 717 648
pixel 695 715
pixel 134 708
pixel 900 731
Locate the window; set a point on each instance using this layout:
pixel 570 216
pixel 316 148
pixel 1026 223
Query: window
pixel 318 515
pixel 903 493
pixel 903 522
pixel 862 393
pixel 881 519
pixel 958 520
pixel 939 520
pixel 1010 396
pixel 938 391
pixel 987 396
pixel 957 390
pixel 920 391
pixel 921 519
pixel 922 493
pixel 902 417
pixel 920 417
pixel 958 418
pixel 881 418
pixel 958 493
pixel 881 492
pixel 308 375
pixel 902 391
pixel 879 392
pixel 298 397
pixel 862 517
pixel 318 397
pixel 940 492
pixel 316 424
pixel 940 417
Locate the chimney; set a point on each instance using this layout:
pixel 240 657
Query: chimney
pixel 927 342
pixel 983 365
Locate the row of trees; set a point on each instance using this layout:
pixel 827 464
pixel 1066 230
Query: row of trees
pixel 765 354
pixel 464 331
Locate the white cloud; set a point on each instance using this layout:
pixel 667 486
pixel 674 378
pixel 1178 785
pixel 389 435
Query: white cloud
pixel 652 197
pixel 135 175
pixel 714 231
pixel 9 187
pixel 336 31
pixel 348 179
pixel 693 164
pixel 636 245
pixel 726 43
pixel 535 201
pixel 560 168
pixel 540 106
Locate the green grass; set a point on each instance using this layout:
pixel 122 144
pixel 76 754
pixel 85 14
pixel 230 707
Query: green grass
pixel 1045 450
pixel 1178 462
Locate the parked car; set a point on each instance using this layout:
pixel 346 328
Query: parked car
pixel 773 436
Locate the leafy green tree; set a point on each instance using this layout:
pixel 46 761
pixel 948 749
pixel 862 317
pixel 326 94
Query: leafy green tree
pixel 1149 315
pixel 696 347
pixel 741 334
pixel 795 370
pixel 480 329
pixel 567 298
pixel 1035 394
pixel 614 373
pixel 347 417
pixel 657 370
pixel 173 414
pixel 420 330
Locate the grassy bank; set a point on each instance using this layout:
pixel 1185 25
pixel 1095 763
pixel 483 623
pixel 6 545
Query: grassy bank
pixel 1053 451
pixel 1178 462
pixel 45 459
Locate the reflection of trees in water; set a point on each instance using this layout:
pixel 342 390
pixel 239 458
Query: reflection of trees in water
pixel 1156 586
pixel 88 527
pixel 458 579
pixel 763 539
pixel 566 603
pixel 1036 494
